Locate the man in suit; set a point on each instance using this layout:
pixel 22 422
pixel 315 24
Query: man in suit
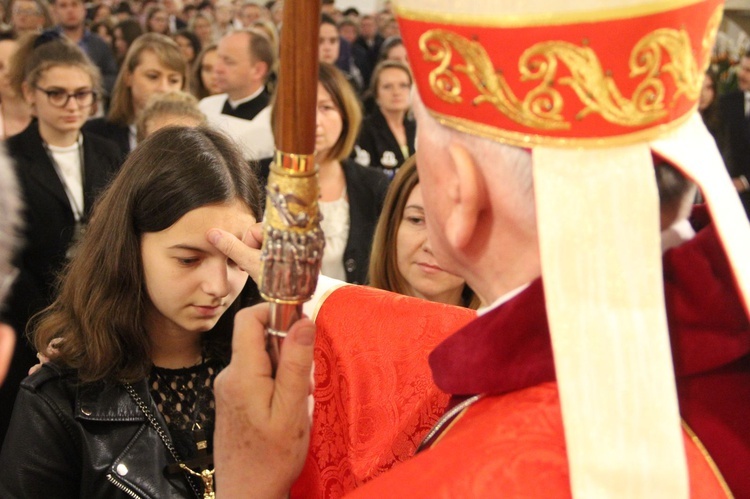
pixel 734 108
pixel 242 111
pixel 368 43
pixel 71 18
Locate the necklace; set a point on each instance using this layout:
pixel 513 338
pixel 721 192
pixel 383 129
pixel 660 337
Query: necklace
pixel 202 461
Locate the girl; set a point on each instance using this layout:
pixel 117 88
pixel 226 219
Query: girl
pixel 204 78
pixel 143 325
pixel 402 259
pixel 189 44
pixel 123 36
pixel 388 133
pixel 60 172
pixel 154 64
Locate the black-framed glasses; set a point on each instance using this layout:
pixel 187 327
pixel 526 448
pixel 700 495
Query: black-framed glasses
pixel 60 98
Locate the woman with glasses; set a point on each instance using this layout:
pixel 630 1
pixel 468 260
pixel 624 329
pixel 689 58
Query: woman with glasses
pixel 60 172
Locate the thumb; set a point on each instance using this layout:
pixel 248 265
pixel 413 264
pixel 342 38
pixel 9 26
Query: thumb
pixel 295 367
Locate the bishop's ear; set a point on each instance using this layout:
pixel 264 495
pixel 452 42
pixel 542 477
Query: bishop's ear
pixel 466 195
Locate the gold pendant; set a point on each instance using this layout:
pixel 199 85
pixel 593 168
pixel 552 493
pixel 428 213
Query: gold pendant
pixel 207 476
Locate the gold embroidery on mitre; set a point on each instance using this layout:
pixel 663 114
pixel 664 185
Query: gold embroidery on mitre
pixel 541 108
pixel 438 45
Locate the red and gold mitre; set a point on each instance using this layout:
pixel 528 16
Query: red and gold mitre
pixel 610 76
pixel 593 87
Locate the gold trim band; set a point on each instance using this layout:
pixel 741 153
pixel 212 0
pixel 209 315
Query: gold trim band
pixel 542 19
pixel 709 460
pixel 287 163
pixel 528 140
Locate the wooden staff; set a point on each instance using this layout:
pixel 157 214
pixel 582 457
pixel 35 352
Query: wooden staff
pixel 293 242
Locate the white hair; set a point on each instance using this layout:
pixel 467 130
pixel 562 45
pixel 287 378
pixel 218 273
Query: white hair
pixel 490 156
pixel 10 221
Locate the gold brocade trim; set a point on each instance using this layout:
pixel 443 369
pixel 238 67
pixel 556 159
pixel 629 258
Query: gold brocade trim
pixel 327 294
pixel 542 107
pixel 521 139
pixel 542 19
pixel 709 460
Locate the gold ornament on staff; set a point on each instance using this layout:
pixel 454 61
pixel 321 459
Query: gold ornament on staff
pixel 292 239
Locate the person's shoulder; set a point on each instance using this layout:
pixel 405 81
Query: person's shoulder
pixel 373 177
pixel 103 147
pixel 731 99
pixel 102 125
pixel 52 381
pixel 212 102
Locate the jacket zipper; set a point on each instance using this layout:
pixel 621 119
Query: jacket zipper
pixel 122 487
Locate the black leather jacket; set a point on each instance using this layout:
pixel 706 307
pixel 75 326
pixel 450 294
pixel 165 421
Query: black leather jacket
pixel 70 440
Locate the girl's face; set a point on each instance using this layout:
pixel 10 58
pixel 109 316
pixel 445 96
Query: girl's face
pixel 415 260
pixel 150 77
pixel 190 284
pixel 121 46
pixel 328 122
pixel 202 29
pixel 393 90
pixel 159 22
pixel 104 34
pixel 208 74
pixel 398 53
pixel 7 49
pixel 186 48
pixel 55 82
pixel 328 43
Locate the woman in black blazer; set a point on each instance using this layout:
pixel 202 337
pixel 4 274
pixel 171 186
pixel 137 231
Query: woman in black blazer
pixel 387 136
pixel 60 171
pixel 153 64
pixel 351 196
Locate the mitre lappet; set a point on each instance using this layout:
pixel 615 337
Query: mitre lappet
pixel 591 88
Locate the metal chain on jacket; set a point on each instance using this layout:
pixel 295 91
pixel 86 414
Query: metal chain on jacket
pixel 160 431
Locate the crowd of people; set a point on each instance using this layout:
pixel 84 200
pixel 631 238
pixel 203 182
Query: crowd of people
pixel 142 138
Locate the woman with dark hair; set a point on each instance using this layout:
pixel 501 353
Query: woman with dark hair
pixel 330 51
pixel 204 77
pixel 123 36
pixel 105 31
pixel 189 44
pixel 154 64
pixel 388 133
pixel 393 50
pixel 60 171
pixel 401 260
pixel 351 195
pixel 141 327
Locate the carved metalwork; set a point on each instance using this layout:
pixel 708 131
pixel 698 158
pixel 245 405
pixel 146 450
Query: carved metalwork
pixel 293 241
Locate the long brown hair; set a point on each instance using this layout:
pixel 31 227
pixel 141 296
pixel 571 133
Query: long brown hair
pixel 122 110
pixel 347 103
pixel 100 310
pixel 383 272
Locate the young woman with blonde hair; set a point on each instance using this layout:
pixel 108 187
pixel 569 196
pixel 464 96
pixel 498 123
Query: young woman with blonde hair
pixel 153 64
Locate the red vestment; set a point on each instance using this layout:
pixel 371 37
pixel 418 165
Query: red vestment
pixel 512 442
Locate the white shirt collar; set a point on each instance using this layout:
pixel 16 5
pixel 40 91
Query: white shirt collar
pixel 235 103
pixel 503 298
